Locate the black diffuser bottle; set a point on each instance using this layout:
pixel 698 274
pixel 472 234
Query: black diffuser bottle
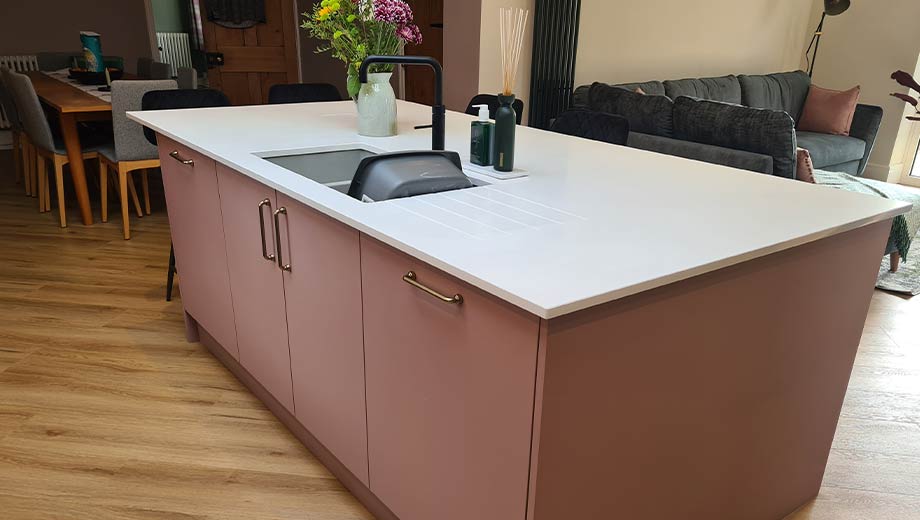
pixel 505 123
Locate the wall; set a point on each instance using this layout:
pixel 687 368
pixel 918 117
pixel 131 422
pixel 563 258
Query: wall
pixel 863 46
pixel 318 68
pixel 168 15
pixel 490 59
pixel 461 52
pixel 28 27
pixel 669 39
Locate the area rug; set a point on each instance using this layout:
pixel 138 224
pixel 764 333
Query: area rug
pixel 906 280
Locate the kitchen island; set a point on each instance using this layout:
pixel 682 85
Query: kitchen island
pixel 618 334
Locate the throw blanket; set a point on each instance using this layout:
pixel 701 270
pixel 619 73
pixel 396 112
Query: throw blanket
pixel 905 227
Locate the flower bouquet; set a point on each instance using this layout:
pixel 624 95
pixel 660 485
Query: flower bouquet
pixel 355 29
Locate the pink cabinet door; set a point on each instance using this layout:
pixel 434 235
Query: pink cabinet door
pixel 450 393
pixel 323 293
pixel 255 282
pixel 193 205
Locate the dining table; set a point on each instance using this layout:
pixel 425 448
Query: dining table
pixel 73 103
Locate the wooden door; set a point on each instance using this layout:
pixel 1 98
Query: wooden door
pixel 429 15
pixel 255 282
pixel 255 58
pixel 323 293
pixel 193 204
pixel 450 393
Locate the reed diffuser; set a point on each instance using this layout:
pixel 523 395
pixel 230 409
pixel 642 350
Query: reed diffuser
pixel 513 24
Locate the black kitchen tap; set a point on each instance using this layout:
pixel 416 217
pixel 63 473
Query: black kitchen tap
pixel 438 110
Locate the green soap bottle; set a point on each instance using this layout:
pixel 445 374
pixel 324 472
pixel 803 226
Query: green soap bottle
pixel 482 136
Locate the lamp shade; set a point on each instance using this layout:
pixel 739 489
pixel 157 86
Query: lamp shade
pixel 835 7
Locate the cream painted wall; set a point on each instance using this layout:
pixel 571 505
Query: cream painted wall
pixel 624 41
pixel 863 47
pixel 490 60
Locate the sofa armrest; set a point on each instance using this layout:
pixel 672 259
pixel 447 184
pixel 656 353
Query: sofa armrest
pixel 580 97
pixel 740 159
pixel 866 122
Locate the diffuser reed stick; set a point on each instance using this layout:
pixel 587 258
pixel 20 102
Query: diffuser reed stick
pixel 513 23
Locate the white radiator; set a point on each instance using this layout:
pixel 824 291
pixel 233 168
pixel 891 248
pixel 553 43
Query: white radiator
pixel 19 64
pixel 174 50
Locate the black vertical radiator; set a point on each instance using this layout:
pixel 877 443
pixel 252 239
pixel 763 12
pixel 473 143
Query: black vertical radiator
pixel 555 45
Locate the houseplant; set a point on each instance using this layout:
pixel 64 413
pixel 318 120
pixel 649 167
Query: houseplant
pixel 907 80
pixel 355 29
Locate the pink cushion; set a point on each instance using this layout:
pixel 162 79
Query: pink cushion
pixel 829 111
pixel 804 168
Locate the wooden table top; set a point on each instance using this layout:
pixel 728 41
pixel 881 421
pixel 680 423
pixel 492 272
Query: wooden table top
pixel 66 98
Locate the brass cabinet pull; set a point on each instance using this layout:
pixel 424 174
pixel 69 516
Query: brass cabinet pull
pixel 265 254
pixel 412 280
pixel 175 155
pixel 278 212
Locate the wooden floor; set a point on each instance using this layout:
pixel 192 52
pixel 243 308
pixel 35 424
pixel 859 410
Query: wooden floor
pixel 107 413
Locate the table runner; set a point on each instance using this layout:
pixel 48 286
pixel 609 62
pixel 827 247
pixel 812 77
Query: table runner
pixel 93 90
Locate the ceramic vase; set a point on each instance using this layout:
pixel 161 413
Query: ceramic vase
pixel 505 123
pixel 377 106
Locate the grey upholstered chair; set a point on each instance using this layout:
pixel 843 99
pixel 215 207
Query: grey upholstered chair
pixel 143 68
pixel 187 78
pixel 159 70
pixel 21 147
pixel 130 151
pixel 47 146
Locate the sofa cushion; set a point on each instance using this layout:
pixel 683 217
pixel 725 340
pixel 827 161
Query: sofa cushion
pixel 647 114
pixel 830 150
pixel 829 111
pixel 652 88
pixel 740 159
pixel 725 89
pixel 769 132
pixel 781 91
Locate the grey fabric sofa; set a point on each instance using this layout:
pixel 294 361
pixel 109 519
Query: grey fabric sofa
pixel 746 122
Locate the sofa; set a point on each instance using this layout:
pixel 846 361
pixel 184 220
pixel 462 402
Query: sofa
pixel 746 121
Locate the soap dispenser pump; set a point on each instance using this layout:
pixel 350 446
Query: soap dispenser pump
pixel 482 137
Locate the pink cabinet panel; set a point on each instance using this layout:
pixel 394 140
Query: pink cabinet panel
pixel 193 205
pixel 255 282
pixel 323 293
pixel 450 393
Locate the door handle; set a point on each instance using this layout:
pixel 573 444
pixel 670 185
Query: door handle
pixel 412 279
pixel 277 214
pixel 265 254
pixel 175 155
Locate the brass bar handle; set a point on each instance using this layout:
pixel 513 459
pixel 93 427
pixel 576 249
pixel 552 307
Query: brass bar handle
pixel 278 212
pixel 265 254
pixel 175 155
pixel 412 280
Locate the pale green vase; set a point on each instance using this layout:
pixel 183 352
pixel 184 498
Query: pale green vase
pixel 377 106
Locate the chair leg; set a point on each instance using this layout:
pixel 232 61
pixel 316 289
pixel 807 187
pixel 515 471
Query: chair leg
pixel 133 191
pixel 170 273
pixel 895 261
pixel 59 181
pixel 145 186
pixel 33 159
pixel 104 189
pixel 27 166
pixel 41 174
pixel 123 195
pixel 17 156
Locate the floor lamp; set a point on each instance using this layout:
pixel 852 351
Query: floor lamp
pixel 831 8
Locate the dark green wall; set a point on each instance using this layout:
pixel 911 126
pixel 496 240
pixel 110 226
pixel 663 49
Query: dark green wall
pixel 169 15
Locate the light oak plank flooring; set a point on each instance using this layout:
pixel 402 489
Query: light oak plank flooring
pixel 107 413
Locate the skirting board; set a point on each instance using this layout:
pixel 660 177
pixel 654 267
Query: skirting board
pixel 346 477
pixel 884 172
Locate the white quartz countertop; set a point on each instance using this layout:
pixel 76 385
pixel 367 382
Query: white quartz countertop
pixel 591 223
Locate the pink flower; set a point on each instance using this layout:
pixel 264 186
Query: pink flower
pixel 410 33
pixel 396 12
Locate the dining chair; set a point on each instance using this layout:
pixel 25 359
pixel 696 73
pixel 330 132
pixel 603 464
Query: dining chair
pixel 492 101
pixel 187 78
pixel 45 143
pixel 130 151
pixel 160 70
pixel 19 140
pixel 597 126
pixel 176 99
pixel 143 68
pixel 303 93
